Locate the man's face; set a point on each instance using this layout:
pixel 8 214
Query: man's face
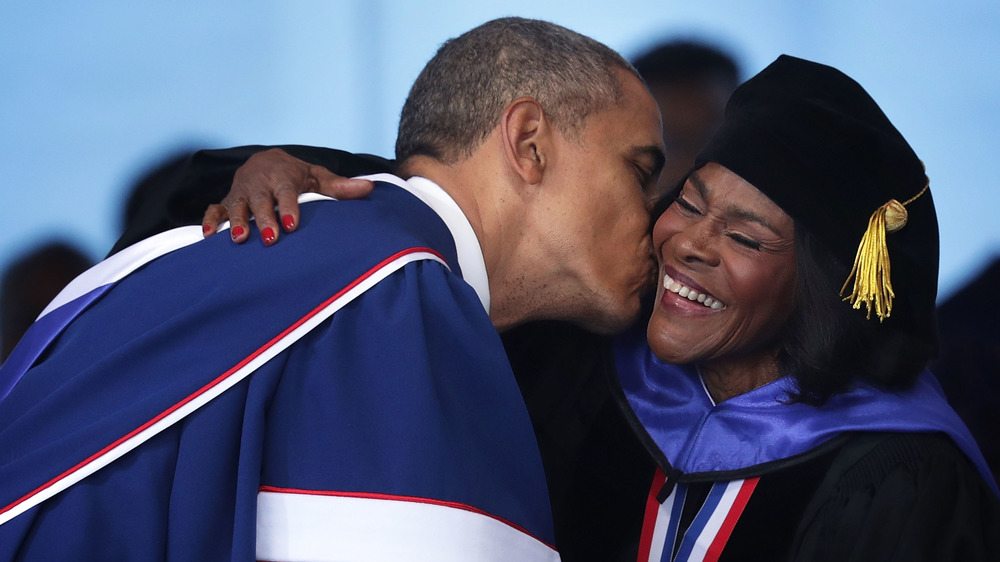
pixel 599 223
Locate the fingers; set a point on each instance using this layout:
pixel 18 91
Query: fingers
pixel 213 217
pixel 262 207
pixel 262 180
pixel 288 207
pixel 273 177
pixel 238 209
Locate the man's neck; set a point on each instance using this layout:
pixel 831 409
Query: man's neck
pixel 470 185
pixel 463 190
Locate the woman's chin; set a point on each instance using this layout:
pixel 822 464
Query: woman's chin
pixel 667 347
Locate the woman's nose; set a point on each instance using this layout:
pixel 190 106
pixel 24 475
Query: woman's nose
pixel 698 242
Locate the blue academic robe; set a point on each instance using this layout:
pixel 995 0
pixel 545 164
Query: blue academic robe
pixel 342 395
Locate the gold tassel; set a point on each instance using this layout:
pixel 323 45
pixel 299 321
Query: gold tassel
pixel 872 283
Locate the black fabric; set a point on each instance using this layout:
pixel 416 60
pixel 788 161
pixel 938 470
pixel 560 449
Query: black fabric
pixel 969 364
pixel 597 470
pixel 205 178
pixel 599 474
pixel 769 521
pixel 912 497
pixel 882 496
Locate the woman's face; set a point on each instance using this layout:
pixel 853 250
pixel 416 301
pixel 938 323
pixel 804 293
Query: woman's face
pixel 727 271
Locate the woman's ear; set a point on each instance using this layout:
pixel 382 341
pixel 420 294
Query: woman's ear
pixel 526 139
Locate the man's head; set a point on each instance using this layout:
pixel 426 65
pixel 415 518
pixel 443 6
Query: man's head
pixel 547 140
pixel 459 96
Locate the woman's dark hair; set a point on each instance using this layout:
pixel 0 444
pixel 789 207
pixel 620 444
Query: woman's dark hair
pixel 827 344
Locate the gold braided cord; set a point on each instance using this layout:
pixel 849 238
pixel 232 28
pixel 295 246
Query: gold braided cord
pixel 871 271
pixel 927 185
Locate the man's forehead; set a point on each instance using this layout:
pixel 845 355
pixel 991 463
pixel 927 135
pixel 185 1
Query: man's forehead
pixel 643 107
pixel 643 126
pixel 632 125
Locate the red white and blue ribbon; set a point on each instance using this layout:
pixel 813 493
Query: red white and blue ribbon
pixel 710 530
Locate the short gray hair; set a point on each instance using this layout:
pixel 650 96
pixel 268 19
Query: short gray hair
pixel 457 99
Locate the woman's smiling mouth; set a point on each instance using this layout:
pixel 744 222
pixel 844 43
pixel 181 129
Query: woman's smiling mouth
pixel 691 294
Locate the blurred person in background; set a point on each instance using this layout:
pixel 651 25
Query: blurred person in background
pixel 969 364
pixel 31 281
pixel 691 82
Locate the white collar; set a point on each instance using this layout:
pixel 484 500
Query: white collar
pixel 470 252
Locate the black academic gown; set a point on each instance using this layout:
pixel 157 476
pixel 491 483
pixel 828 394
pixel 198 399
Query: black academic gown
pixel 861 496
pixel 206 176
pixel 838 502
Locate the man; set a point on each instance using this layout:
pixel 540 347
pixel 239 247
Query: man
pixel 355 401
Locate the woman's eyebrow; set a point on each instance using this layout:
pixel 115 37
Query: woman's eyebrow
pixel 750 216
pixel 740 213
pixel 698 184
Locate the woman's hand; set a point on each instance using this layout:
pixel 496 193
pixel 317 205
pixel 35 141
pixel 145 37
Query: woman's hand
pixel 269 178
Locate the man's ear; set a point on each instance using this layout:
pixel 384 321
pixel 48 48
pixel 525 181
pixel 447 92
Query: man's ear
pixel 526 139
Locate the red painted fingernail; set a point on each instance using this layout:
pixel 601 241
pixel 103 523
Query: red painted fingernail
pixel 288 222
pixel 268 235
pixel 205 229
pixel 237 232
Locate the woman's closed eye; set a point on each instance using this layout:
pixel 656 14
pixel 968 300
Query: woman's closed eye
pixel 686 205
pixel 745 241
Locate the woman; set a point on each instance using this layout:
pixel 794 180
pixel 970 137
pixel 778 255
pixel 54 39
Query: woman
pixel 760 414
pixel 801 426
pixel 783 422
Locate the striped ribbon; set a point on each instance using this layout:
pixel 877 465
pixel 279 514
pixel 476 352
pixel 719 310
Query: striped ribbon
pixel 710 530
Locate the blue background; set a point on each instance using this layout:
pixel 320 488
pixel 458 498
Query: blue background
pixel 94 93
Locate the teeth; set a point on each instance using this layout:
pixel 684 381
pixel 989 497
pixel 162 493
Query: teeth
pixel 690 294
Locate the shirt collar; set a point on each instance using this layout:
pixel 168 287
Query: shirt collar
pixel 467 246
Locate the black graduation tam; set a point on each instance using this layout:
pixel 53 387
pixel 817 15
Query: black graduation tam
pixel 812 140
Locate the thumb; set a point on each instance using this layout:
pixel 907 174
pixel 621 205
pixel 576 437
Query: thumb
pixel 339 187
